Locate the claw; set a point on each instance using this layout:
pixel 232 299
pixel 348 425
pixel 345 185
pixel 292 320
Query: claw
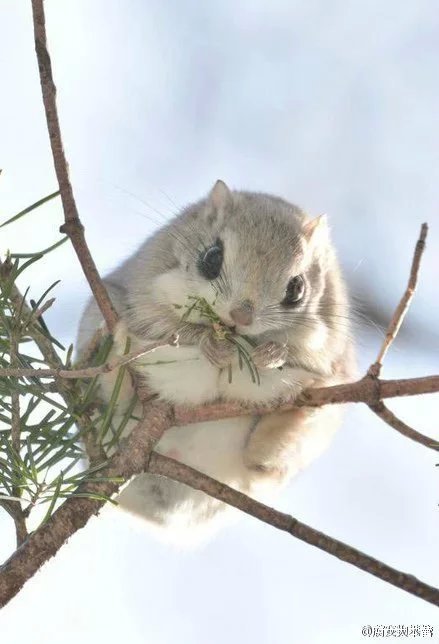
pixel 219 352
pixel 269 355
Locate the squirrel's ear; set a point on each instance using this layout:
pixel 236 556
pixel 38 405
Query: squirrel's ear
pixel 220 196
pixel 316 231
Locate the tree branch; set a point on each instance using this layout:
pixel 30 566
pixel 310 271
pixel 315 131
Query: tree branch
pixel 75 512
pixel 368 390
pixel 72 226
pixel 89 372
pixel 389 417
pixel 177 471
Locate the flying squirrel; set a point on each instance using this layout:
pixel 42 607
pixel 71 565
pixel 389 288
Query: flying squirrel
pixel 270 275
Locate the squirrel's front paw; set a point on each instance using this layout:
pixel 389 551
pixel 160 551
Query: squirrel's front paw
pixel 269 355
pixel 219 352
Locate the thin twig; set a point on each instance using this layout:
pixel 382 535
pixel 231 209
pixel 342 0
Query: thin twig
pixel 389 417
pixel 177 471
pixel 15 398
pixel 401 309
pixel 379 407
pixel 88 372
pixel 13 508
pixel 19 520
pixel 72 226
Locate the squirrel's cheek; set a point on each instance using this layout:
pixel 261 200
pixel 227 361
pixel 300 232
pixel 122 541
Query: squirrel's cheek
pixel 172 287
pixel 317 336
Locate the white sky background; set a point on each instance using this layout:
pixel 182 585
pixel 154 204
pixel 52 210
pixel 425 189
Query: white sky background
pixel 331 105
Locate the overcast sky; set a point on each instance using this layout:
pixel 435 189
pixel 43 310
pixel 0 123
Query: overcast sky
pixel 333 106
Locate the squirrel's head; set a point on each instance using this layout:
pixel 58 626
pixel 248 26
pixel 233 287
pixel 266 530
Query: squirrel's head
pixel 259 261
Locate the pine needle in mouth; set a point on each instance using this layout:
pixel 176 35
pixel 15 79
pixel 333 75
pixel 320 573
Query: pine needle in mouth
pixel 223 333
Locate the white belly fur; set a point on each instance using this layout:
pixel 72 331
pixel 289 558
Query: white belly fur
pixel 184 376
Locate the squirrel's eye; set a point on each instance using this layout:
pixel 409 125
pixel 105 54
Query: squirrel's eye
pixel 295 291
pixel 211 260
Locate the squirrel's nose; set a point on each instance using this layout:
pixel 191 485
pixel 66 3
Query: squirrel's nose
pixel 242 314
